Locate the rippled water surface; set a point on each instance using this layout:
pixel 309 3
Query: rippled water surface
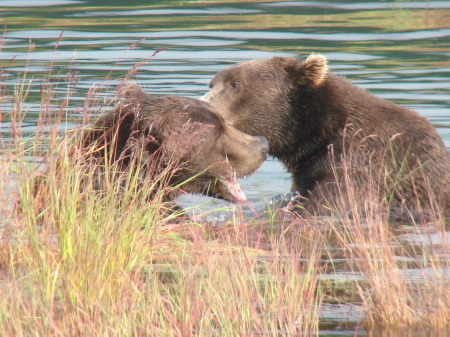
pixel 398 50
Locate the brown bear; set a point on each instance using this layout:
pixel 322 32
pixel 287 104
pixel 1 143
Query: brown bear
pixel 332 135
pixel 205 154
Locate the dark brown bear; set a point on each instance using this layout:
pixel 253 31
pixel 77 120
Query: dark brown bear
pixel 333 136
pixel 153 133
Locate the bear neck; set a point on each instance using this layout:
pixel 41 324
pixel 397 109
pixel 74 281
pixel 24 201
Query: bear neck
pixel 320 118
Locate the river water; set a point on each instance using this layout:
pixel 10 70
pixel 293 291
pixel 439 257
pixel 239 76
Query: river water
pixel 398 50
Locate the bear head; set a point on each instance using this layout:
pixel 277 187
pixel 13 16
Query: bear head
pixel 254 94
pixel 205 154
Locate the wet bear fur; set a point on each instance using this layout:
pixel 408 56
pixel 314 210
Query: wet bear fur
pixel 180 144
pixel 337 140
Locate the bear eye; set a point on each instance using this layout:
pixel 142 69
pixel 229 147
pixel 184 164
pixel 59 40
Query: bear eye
pixel 235 84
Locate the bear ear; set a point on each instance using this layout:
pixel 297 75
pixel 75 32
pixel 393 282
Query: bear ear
pixel 140 145
pixel 313 70
pixel 129 90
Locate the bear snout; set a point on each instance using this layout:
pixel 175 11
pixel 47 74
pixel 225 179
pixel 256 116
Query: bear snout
pixel 206 97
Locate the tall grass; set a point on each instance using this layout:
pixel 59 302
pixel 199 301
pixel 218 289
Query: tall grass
pixel 404 287
pixel 76 260
pixel 406 274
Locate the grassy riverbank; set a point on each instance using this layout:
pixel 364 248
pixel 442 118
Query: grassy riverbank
pixel 76 260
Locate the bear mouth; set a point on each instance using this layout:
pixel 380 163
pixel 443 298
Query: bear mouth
pixel 235 190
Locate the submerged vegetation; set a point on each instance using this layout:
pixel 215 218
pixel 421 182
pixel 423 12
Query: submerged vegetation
pixel 76 260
